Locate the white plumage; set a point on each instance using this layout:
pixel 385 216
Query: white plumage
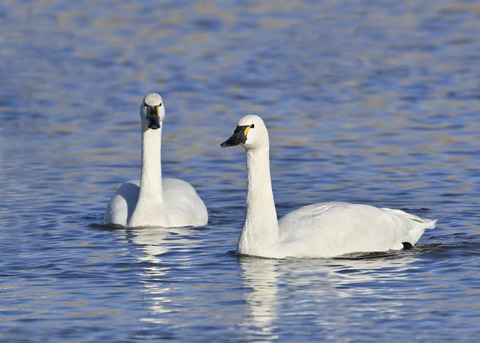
pixel 154 201
pixel 319 230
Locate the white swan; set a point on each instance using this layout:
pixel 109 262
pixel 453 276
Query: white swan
pixel 319 230
pixel 155 201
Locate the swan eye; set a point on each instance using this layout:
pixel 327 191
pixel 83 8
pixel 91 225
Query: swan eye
pixel 248 129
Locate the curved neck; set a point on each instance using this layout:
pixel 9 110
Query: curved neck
pixel 150 200
pixel 260 232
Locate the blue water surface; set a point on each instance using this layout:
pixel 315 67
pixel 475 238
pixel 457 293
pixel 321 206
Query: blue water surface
pixel 370 102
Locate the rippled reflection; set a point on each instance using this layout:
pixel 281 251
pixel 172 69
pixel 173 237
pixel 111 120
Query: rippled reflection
pixel 155 275
pixel 328 288
pixel 260 279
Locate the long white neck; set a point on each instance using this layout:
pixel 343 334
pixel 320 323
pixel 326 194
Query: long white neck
pixel 260 232
pixel 150 210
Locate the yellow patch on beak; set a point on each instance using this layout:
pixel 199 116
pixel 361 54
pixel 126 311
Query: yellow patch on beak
pixel 246 130
pixel 158 111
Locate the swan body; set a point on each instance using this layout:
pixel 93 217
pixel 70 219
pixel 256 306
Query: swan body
pixel 153 200
pixel 320 230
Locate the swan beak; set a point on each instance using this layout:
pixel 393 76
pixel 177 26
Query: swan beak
pixel 239 137
pixel 153 117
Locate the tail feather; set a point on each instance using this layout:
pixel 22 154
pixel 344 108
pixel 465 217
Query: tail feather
pixel 417 231
pixel 418 227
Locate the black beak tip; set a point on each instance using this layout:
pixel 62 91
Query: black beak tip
pixel 154 126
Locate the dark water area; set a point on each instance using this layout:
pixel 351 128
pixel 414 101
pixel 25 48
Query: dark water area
pixel 367 102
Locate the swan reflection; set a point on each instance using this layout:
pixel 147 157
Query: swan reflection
pixel 153 244
pixel 260 276
pixel 320 289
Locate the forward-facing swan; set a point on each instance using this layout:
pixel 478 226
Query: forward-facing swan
pixel 319 230
pixel 155 201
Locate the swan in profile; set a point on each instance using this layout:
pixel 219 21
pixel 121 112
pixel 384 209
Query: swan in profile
pixel 154 201
pixel 320 230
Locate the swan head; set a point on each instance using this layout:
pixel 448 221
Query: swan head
pixel 152 111
pixel 250 132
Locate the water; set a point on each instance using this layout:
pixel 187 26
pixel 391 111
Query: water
pixel 365 102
